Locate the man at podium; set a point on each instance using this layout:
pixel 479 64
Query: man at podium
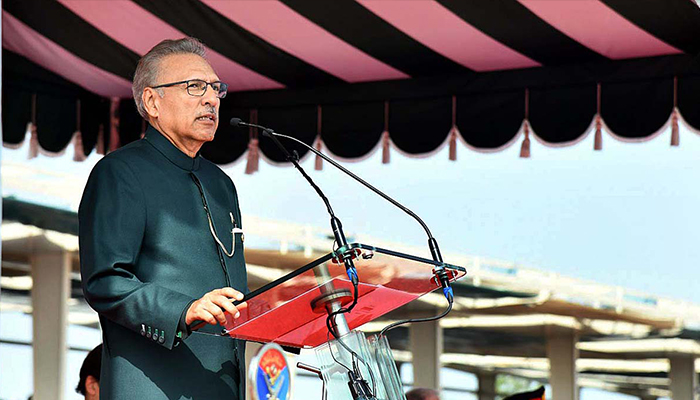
pixel 161 244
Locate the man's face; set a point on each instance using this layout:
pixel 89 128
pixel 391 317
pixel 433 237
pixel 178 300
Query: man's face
pixel 188 118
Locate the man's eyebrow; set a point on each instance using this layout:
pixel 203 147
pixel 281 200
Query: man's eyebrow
pixel 202 79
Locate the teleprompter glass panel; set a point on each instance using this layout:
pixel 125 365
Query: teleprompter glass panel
pixel 290 310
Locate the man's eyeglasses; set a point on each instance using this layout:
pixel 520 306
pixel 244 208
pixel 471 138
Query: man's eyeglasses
pixel 197 87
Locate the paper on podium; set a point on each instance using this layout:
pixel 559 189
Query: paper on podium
pixel 283 311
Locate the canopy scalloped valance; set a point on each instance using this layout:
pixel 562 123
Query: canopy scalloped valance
pixel 409 76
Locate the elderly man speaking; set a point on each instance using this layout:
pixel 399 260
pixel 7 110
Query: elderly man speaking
pixel 159 248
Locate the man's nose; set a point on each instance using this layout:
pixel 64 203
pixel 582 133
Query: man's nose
pixel 210 97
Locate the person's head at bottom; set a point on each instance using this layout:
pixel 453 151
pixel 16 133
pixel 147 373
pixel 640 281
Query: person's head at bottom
pixel 89 384
pixel 422 394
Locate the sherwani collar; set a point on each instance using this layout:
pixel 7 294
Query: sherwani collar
pixel 172 153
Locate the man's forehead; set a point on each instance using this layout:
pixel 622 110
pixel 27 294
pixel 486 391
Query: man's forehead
pixel 177 67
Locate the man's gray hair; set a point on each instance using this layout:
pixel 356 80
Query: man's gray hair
pixel 148 67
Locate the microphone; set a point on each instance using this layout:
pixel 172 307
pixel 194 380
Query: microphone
pixel 440 272
pixel 237 122
pixel 336 225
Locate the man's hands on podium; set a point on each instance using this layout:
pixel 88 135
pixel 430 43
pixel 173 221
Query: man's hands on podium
pixel 210 307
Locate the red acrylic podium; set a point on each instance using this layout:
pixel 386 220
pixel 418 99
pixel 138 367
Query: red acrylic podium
pixel 289 311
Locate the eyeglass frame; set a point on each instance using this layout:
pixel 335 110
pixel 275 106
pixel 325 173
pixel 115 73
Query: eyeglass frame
pixel 220 94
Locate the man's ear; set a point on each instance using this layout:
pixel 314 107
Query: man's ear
pixel 92 385
pixel 151 101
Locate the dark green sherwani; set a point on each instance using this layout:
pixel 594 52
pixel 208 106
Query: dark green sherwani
pixel 146 254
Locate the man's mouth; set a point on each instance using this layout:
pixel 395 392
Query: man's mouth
pixel 207 117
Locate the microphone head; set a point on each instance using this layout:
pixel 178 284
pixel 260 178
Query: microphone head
pixel 236 122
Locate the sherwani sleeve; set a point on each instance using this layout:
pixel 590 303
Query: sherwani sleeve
pixel 112 225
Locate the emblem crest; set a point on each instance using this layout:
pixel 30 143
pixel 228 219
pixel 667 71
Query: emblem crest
pixel 270 377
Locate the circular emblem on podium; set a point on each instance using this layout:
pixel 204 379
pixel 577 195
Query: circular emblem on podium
pixel 270 377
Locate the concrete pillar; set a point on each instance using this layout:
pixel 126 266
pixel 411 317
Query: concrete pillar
pixel 50 294
pixel 426 346
pixel 562 354
pixel 487 385
pixel 684 380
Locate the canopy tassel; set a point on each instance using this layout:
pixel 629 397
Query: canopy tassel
pixel 453 131
pixel 453 144
pixel 525 147
pixel 598 139
pixel 386 156
pixel 253 156
pixel 100 145
pixel 78 151
pixel 318 164
pixel 675 134
pixel 31 127
pixel 253 161
pixel 598 142
pixel 33 141
pixel 143 129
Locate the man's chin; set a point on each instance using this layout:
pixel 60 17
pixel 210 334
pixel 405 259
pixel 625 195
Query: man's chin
pixel 206 135
pixel 209 137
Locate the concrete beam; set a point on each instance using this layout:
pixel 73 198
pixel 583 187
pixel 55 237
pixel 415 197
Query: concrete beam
pixel 50 293
pixel 684 380
pixel 562 354
pixel 426 346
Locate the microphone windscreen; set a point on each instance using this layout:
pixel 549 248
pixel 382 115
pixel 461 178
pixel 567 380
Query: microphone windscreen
pixel 236 122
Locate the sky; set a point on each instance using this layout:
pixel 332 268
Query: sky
pixel 626 215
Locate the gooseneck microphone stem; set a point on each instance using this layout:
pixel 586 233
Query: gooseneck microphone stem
pixel 336 225
pixel 432 242
pixel 295 161
pixel 368 185
pixel 440 271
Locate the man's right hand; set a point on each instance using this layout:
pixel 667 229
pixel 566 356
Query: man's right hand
pixel 210 307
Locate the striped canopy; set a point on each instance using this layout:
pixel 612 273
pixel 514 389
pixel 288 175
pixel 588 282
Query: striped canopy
pixel 349 75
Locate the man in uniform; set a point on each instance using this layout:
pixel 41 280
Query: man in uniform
pixel 158 250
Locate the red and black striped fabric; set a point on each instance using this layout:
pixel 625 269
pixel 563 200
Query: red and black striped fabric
pixel 342 73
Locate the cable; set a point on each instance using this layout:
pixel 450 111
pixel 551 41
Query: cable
pixel 406 321
pixel 355 369
pixel 330 349
pixel 329 318
pixel 353 354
